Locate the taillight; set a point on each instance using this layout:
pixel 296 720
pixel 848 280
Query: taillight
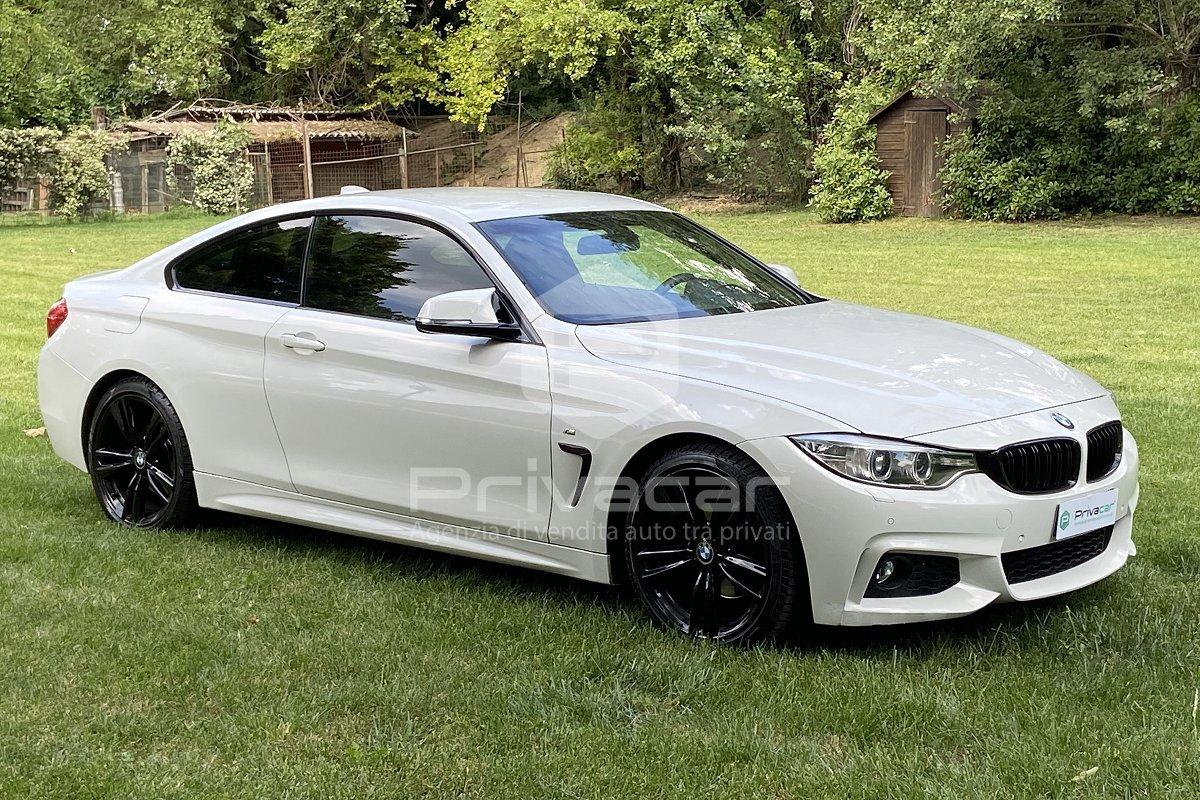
pixel 55 317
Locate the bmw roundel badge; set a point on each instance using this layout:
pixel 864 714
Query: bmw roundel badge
pixel 1063 419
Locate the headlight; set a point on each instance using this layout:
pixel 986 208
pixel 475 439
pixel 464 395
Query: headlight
pixel 885 462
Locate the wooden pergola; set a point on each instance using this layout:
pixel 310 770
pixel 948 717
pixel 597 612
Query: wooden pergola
pixel 286 141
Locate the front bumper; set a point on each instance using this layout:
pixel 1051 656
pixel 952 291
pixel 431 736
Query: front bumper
pixel 846 527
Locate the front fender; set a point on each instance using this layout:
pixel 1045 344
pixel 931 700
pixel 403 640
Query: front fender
pixel 613 412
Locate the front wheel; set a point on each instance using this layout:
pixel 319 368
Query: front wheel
pixel 710 548
pixel 139 459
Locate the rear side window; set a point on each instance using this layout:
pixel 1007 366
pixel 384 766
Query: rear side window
pixel 263 262
pixel 384 267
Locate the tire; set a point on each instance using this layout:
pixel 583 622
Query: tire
pixel 733 573
pixel 138 458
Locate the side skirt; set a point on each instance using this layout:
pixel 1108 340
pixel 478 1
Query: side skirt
pixel 241 497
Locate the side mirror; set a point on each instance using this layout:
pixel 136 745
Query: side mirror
pixel 785 273
pixel 470 312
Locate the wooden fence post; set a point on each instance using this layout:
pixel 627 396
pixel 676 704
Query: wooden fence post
pixel 306 148
pixel 404 159
pixel 270 175
pixel 144 172
pixel 43 197
pixel 520 94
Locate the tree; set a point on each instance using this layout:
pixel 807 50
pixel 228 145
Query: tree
pixel 713 87
pixel 139 55
pixel 1078 105
pixel 37 71
pixel 349 52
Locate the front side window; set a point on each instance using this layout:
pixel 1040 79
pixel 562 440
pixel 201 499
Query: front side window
pixel 384 267
pixel 596 267
pixel 263 262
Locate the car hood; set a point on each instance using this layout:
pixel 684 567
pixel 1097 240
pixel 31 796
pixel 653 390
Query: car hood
pixel 880 372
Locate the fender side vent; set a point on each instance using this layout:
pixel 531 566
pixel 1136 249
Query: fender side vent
pixel 585 467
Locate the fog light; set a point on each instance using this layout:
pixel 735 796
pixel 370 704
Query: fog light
pixel 912 575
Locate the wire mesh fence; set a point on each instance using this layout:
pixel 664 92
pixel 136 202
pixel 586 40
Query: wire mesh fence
pixel 435 152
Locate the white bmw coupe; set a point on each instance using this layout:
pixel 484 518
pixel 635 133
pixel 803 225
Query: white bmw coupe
pixel 594 386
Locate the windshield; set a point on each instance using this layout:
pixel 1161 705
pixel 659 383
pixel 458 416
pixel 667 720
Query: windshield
pixel 596 267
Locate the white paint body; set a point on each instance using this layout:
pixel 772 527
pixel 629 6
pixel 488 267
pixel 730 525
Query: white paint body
pixel 328 438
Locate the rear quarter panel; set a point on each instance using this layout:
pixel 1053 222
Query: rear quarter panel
pixel 205 352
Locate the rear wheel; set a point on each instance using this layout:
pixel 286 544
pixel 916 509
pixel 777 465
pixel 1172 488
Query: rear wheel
pixel 138 457
pixel 710 548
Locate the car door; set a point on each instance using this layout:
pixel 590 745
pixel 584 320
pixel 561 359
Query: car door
pixel 372 412
pixel 208 334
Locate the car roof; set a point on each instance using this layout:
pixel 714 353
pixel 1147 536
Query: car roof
pixel 477 204
pixel 451 204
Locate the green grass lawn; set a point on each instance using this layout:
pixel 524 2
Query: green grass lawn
pixel 258 660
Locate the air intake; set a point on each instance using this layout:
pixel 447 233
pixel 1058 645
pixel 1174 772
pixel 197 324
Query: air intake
pixel 1104 449
pixel 1050 559
pixel 1047 465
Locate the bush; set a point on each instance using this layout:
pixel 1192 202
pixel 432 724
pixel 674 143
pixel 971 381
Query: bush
pixel 850 186
pixel 746 102
pixel 25 153
pixel 1037 184
pixel 1174 165
pixel 215 160
pixel 593 160
pixel 1045 149
pixel 79 175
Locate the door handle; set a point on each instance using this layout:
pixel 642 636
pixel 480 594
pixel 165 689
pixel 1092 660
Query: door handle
pixel 301 342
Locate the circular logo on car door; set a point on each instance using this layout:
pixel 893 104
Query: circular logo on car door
pixel 1063 419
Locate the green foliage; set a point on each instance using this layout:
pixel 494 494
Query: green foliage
pixel 947 43
pixel 353 52
pixel 1079 105
pixel 710 90
pixel 408 67
pixel 592 158
pixel 1086 107
pixel 215 163
pixel 748 93
pixel 37 71
pixel 1022 166
pixel 1074 123
pixel 502 38
pixel 1175 174
pixel 79 175
pixel 25 153
pixel 850 185
pixel 145 54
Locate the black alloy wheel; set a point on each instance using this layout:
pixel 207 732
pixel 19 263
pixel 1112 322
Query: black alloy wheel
pixel 139 459
pixel 710 548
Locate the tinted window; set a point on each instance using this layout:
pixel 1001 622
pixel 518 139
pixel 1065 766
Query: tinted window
pixel 632 266
pixel 382 267
pixel 263 262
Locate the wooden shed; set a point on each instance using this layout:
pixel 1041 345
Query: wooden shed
pixel 909 133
